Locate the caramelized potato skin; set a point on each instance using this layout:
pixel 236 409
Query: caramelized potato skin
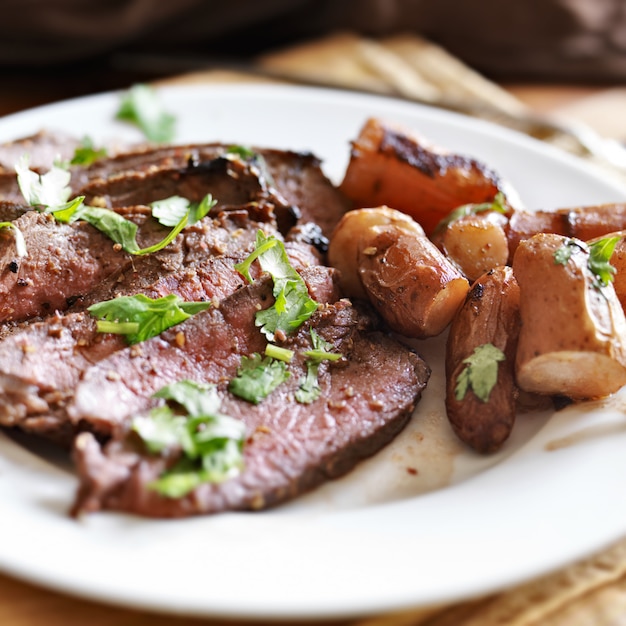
pixel 411 284
pixel 572 337
pixel 476 243
pixel 384 256
pixel 490 314
pixel 391 166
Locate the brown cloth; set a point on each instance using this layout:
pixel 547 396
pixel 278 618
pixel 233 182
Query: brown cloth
pixel 569 39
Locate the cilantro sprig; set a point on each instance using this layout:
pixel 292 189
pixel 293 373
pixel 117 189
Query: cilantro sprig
pixel 140 106
pixel 211 442
pixel 293 305
pixel 257 377
pixel 598 261
pixel 480 373
pixel 309 388
pixel 139 317
pixel 497 205
pixel 85 153
pixel 50 193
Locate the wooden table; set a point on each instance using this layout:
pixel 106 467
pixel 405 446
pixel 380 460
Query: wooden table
pixel 22 604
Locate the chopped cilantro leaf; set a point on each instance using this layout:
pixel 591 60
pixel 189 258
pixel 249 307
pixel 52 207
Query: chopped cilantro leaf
pixel 309 388
pixel 293 305
pixel 498 205
pixel 140 106
pixel 480 373
pixel 600 253
pixel 211 443
pixel 85 153
pixel 47 190
pixel 257 377
pixel 598 262
pixel 139 317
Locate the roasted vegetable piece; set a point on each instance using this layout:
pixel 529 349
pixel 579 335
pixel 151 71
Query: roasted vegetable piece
pixel 403 274
pixel 573 332
pixel 476 243
pixel 480 362
pixel 351 235
pixel 391 166
pixel 586 222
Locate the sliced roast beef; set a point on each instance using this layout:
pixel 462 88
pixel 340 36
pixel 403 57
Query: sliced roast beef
pixel 293 176
pixel 290 447
pixel 64 261
pixel 41 363
pixel 43 149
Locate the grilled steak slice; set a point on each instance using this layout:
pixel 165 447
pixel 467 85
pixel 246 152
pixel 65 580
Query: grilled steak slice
pixel 41 364
pixel 43 148
pixel 64 261
pixel 290 448
pixel 10 211
pixel 230 181
pixel 295 177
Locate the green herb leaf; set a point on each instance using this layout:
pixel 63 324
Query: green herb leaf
pixel 563 254
pixel 48 190
pixel 85 153
pixel 211 443
pixel 243 152
pixel 276 352
pixel 293 305
pixel 600 254
pixel 140 106
pixel 150 316
pixel 309 388
pixel 257 377
pixel 20 244
pixel 171 211
pixel 481 372
pixel 198 399
pixel 498 205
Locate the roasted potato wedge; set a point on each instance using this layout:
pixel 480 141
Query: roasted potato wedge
pixel 391 166
pixel 385 256
pixel 475 243
pixel 573 332
pixel 489 318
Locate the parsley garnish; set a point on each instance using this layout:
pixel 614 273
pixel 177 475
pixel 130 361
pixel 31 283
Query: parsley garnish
pixel 293 305
pixel 20 244
pixel 598 262
pixel 309 388
pixel 480 373
pixel 171 211
pixel 85 153
pixel 50 192
pixel 498 205
pixel 140 317
pixel 140 106
pixel 600 254
pixel 257 377
pixel 211 442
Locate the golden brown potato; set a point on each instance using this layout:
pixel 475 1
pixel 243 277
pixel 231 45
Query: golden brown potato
pixel 573 333
pixel 483 418
pixel 410 282
pixel 476 243
pixel 391 166
pixel 352 234
pixel 385 256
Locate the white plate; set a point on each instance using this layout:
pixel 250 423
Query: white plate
pixel 385 537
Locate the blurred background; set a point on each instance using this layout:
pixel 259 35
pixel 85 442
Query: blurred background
pixel 51 49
